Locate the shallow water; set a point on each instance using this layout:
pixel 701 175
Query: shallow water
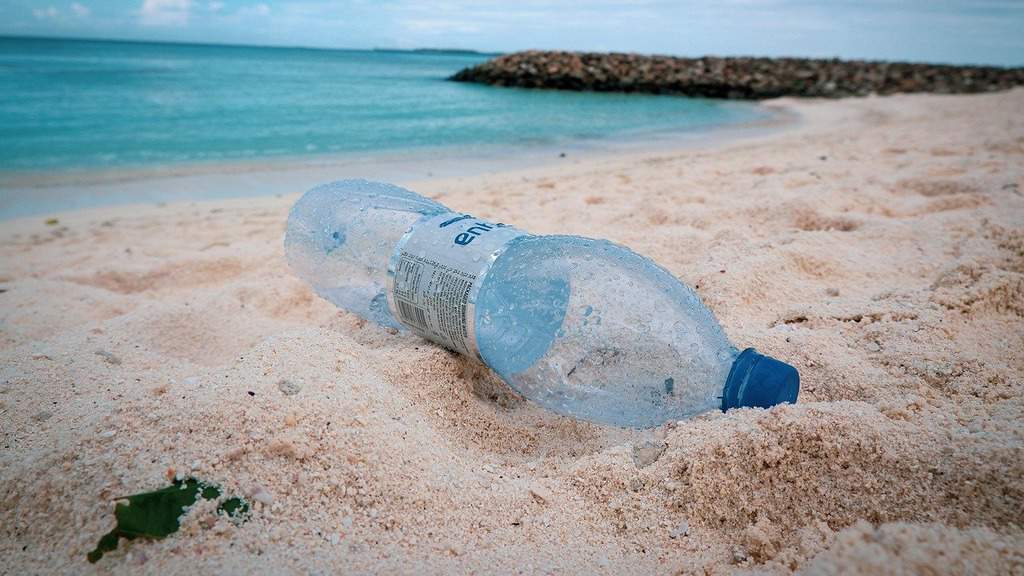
pixel 73 104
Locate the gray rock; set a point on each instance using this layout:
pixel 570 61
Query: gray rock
pixel 736 78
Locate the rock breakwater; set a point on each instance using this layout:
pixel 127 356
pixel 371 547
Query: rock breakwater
pixel 736 78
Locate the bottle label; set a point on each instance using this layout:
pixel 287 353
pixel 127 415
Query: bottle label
pixel 436 272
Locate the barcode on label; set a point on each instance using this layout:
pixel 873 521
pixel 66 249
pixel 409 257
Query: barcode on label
pixel 412 314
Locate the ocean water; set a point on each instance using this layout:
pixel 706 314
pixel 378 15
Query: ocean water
pixel 81 105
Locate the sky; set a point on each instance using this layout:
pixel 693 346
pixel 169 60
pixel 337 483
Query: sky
pixel 953 31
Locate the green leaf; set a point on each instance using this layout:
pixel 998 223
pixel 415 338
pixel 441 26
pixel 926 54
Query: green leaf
pixel 157 514
pixel 210 492
pixel 235 507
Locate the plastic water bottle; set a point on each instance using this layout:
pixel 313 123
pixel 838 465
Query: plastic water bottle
pixel 582 327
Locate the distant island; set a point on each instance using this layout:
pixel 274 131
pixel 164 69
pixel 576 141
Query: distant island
pixel 735 77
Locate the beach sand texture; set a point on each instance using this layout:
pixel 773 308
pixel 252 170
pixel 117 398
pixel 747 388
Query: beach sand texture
pixel 878 246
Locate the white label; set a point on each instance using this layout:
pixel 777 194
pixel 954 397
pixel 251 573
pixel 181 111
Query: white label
pixel 436 271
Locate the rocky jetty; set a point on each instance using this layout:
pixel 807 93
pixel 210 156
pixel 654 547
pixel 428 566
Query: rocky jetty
pixel 737 78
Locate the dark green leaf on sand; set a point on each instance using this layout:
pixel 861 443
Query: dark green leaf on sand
pixel 234 507
pixel 157 514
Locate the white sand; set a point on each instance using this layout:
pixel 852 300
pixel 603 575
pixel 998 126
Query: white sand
pixel 879 247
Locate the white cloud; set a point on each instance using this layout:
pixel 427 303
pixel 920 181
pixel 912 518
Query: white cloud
pixel 165 12
pixel 215 6
pixel 80 10
pixel 49 13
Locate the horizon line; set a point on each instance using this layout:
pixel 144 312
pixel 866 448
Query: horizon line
pixel 476 52
pixel 453 50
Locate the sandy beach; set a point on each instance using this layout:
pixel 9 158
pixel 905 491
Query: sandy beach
pixel 877 245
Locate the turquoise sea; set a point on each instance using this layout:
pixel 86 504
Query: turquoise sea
pixel 81 105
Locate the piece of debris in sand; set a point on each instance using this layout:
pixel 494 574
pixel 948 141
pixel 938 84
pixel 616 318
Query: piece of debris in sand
pixel 157 514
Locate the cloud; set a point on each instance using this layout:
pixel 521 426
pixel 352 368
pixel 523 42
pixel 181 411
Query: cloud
pixel 165 12
pixel 80 10
pixel 48 13
pixel 215 6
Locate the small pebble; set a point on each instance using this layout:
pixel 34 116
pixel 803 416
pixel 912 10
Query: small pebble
pixel 683 529
pixel 42 416
pixel 647 452
pixel 109 357
pixel 873 347
pixel 739 555
pixel 636 484
pixel 540 493
pixel 288 388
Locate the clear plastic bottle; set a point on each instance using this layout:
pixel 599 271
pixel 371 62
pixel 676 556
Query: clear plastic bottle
pixel 582 327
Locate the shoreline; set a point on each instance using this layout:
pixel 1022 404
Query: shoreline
pixel 25 194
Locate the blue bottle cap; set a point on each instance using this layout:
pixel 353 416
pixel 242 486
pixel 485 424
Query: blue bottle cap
pixel 759 381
